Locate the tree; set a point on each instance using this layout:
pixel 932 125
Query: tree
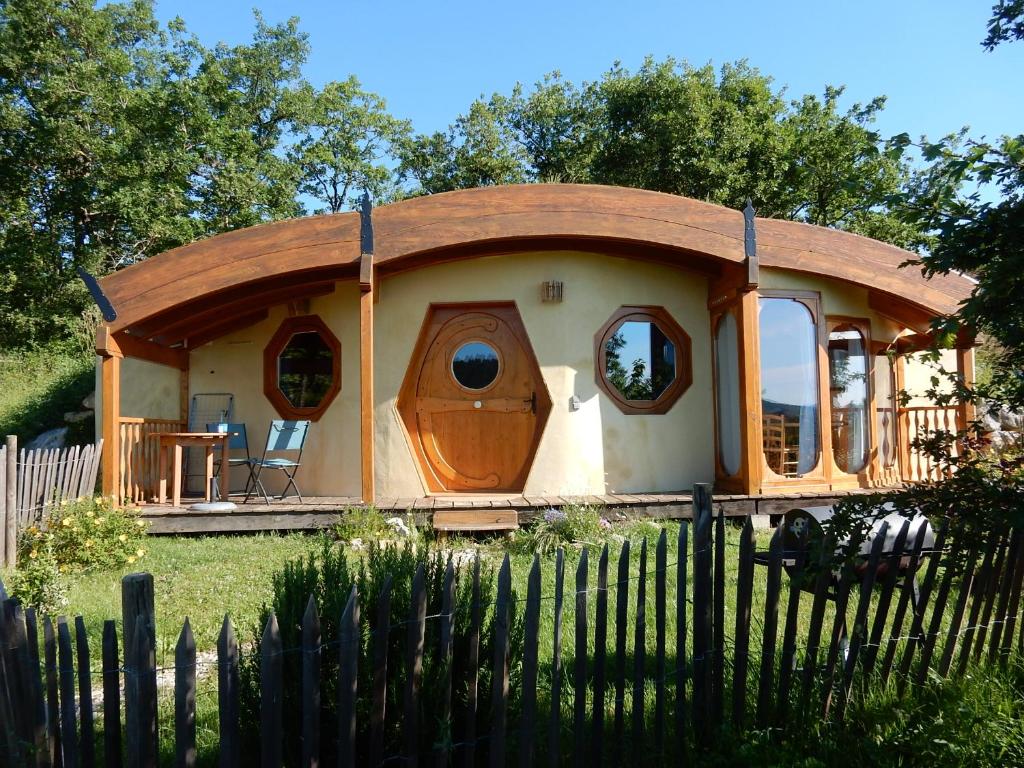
pixel 120 140
pixel 971 197
pixel 719 136
pixel 344 141
pixel 479 150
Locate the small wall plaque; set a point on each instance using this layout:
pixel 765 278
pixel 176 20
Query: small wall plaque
pixel 551 291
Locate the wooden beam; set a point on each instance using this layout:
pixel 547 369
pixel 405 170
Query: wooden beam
pixel 903 312
pixel 106 343
pixel 366 423
pixel 110 374
pixel 132 346
pixel 187 320
pixel 223 328
pixel 750 392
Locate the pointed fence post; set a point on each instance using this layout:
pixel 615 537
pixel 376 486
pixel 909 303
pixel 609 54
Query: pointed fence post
pixel 580 665
pixel 137 602
pixel 348 680
pixel 271 693
pixel 499 678
pixel 414 668
pixel 528 721
pixel 227 696
pixel 185 698
pixel 311 686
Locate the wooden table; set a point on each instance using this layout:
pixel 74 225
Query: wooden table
pixel 171 445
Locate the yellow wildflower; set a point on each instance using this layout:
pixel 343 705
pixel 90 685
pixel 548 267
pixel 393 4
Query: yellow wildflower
pixel 122 538
pixel 91 513
pixel 140 552
pixel 88 542
pixel 99 520
pixel 67 521
pixel 131 559
pixel 140 523
pixel 33 554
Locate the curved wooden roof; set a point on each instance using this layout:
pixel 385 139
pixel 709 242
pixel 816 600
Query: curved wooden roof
pixel 183 291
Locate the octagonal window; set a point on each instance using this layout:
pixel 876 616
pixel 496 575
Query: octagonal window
pixel 643 359
pixel 302 368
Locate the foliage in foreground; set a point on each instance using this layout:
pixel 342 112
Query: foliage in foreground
pixel 83 535
pixel 329 574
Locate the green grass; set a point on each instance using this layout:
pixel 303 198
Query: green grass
pixel 37 387
pixel 201 578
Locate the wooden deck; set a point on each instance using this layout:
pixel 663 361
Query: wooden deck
pixel 463 512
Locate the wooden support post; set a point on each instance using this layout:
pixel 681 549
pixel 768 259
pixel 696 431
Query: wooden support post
pixel 750 392
pixel 11 502
pixel 110 397
pixel 966 412
pixel 367 279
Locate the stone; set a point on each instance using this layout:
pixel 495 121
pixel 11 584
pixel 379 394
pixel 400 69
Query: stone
pixel 73 417
pixel 51 438
pixel 399 525
pixel 89 401
pixel 1010 420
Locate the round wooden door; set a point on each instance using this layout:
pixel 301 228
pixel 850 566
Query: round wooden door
pixel 474 403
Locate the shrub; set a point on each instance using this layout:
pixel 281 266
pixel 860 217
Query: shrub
pixel 85 535
pixel 328 574
pixel 37 581
pixel 574 524
pixel 363 523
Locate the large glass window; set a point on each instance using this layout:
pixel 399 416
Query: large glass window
pixel 727 393
pixel 848 393
pixel 885 410
pixel 789 386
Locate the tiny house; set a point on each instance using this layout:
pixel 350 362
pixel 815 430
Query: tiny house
pixel 535 340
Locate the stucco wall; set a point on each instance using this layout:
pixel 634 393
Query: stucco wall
pixel 597 449
pixel 147 390
pixel 234 363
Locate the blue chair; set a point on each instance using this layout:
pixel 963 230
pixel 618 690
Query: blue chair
pixel 282 436
pixel 239 441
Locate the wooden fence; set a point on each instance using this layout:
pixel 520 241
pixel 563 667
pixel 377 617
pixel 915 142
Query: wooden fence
pixel 603 702
pixel 36 480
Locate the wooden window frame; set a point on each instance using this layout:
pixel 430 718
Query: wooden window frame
pixel 872 466
pixel 684 359
pixel 731 308
pixel 820 476
pixel 288 328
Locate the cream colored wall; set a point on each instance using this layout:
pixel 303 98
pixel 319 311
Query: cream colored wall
pixel 918 372
pixel 234 363
pixel 597 449
pixel 148 390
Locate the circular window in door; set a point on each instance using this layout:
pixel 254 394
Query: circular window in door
pixel 302 368
pixel 643 360
pixel 475 365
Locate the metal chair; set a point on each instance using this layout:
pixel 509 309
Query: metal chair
pixel 282 436
pixel 239 441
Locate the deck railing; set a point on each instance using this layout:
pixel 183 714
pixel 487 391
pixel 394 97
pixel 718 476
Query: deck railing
pixel 139 459
pixel 924 421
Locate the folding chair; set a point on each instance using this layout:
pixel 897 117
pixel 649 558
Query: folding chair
pixel 239 441
pixel 282 436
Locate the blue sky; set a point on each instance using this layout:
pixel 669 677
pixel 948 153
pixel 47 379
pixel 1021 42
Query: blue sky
pixel 429 60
